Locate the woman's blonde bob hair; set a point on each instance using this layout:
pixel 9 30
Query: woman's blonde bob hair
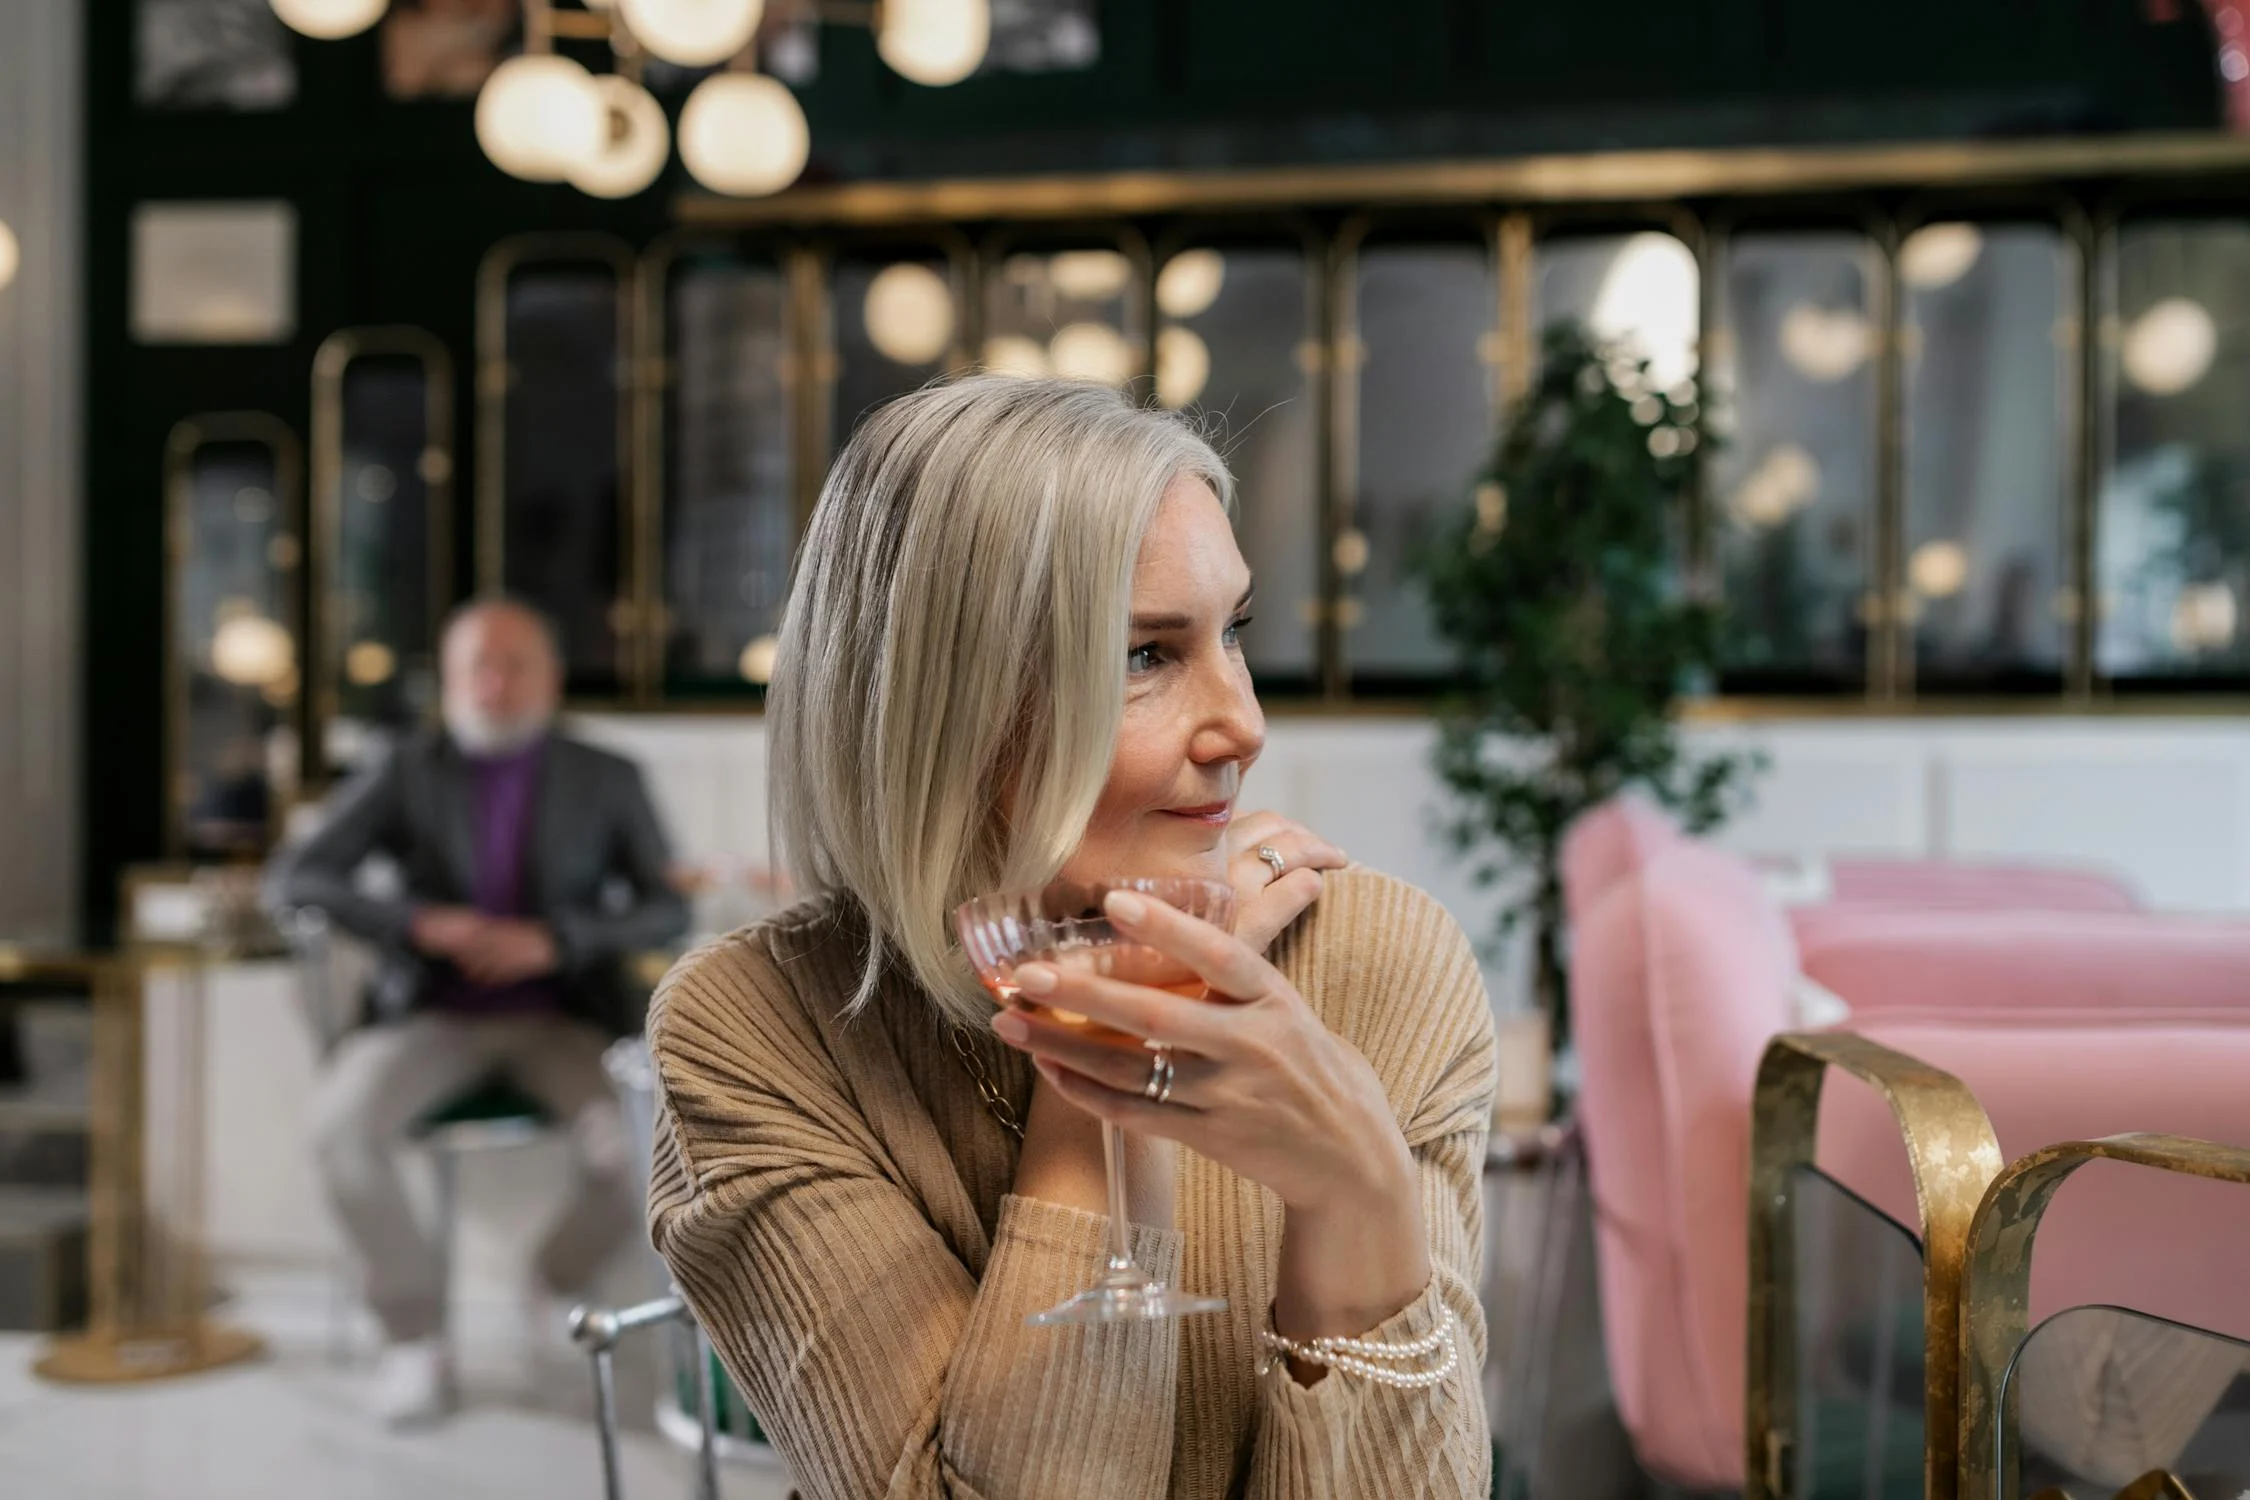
pixel 951 671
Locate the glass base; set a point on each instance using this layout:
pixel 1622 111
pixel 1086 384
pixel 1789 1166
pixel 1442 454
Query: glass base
pixel 1125 1297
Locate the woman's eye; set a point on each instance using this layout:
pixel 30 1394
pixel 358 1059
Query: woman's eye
pixel 1235 629
pixel 1143 659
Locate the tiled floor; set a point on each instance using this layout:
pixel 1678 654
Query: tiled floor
pixel 291 1428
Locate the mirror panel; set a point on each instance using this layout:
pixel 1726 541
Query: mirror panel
pixel 234 636
pixel 382 531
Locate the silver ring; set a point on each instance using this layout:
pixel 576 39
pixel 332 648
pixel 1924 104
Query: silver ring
pixel 1159 1086
pixel 1273 859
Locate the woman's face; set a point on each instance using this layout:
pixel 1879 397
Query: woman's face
pixel 1192 725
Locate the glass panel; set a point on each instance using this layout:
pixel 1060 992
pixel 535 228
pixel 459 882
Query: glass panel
pixel 1234 343
pixel 1793 482
pixel 2103 1396
pixel 897 327
pixel 729 475
pixel 1071 311
pixel 1639 292
pixel 2174 533
pixel 562 531
pixel 381 585
pixel 1986 332
pixel 1860 1417
pixel 234 634
pixel 1426 329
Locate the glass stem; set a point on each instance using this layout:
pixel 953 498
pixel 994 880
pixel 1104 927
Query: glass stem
pixel 1120 1228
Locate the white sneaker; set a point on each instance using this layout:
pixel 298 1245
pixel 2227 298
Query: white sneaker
pixel 413 1383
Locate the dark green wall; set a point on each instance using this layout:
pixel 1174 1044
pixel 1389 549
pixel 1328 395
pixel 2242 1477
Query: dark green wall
pixel 396 206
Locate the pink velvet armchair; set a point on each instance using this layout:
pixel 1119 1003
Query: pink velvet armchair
pixel 2067 1011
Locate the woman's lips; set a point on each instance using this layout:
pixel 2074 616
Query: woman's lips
pixel 1211 814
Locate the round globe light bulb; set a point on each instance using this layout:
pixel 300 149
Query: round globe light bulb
pixel 369 663
pixel 252 651
pixel 1938 569
pixel 744 134
pixel 1190 282
pixel 934 42
pixel 1013 354
pixel 329 20
pixel 11 255
pixel 2170 347
pixel 692 33
pixel 756 663
pixel 635 141
pixel 1089 275
pixel 1183 364
pixel 538 116
pixel 909 313
pixel 1822 345
pixel 1939 254
pixel 1091 351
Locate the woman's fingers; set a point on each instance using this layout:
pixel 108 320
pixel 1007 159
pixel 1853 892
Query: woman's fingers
pixel 1217 956
pixel 1113 1064
pixel 1154 1015
pixel 1116 1106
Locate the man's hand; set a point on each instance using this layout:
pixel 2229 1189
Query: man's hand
pixel 508 950
pixel 446 931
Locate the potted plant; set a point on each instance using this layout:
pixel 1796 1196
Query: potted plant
pixel 1563 592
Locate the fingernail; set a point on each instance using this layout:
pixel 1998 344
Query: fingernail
pixel 1125 906
pixel 1035 979
pixel 1009 1026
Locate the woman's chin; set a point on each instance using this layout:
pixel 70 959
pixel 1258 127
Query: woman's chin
pixel 1189 852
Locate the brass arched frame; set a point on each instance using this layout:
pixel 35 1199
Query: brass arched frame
pixel 1996 1285
pixel 1092 234
pixel 652 383
pixel 494 379
pixel 180 445
pixel 1276 232
pixel 1507 244
pixel 1883 518
pixel 2037 206
pixel 1953 1153
pixel 323 629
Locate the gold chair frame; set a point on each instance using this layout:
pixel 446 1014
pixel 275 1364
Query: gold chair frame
pixel 1996 1293
pixel 1953 1153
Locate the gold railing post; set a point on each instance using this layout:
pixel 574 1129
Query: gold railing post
pixel 1953 1153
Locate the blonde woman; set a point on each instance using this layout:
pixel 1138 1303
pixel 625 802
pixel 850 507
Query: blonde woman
pixel 1011 653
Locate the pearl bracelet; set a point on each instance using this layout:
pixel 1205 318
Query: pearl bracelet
pixel 1364 1358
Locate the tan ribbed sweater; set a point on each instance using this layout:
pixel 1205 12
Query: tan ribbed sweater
pixel 833 1198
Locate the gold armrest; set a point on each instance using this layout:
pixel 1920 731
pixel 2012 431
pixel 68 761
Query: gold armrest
pixel 1996 1290
pixel 1953 1153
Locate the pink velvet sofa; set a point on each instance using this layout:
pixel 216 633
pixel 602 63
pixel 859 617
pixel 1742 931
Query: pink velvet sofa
pixel 2067 1011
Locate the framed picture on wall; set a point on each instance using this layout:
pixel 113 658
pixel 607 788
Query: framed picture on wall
pixel 444 49
pixel 1043 36
pixel 212 54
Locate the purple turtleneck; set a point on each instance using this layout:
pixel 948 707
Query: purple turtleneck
pixel 503 798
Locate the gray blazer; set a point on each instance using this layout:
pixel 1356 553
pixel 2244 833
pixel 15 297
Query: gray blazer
pixel 595 871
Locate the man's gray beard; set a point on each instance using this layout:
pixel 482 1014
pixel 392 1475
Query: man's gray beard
pixel 474 734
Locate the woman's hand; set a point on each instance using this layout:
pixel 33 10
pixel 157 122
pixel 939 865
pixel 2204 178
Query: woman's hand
pixel 1259 1085
pixel 1270 902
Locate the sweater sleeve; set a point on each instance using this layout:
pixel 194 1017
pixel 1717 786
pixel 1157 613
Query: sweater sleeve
pixel 874 1359
pixel 1344 1437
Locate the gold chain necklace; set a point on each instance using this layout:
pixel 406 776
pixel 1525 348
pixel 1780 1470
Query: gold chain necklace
pixel 996 1103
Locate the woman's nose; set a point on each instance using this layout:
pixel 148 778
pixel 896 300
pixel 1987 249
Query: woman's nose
pixel 1233 727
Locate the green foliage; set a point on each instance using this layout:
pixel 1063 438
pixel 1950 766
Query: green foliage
pixel 1561 590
